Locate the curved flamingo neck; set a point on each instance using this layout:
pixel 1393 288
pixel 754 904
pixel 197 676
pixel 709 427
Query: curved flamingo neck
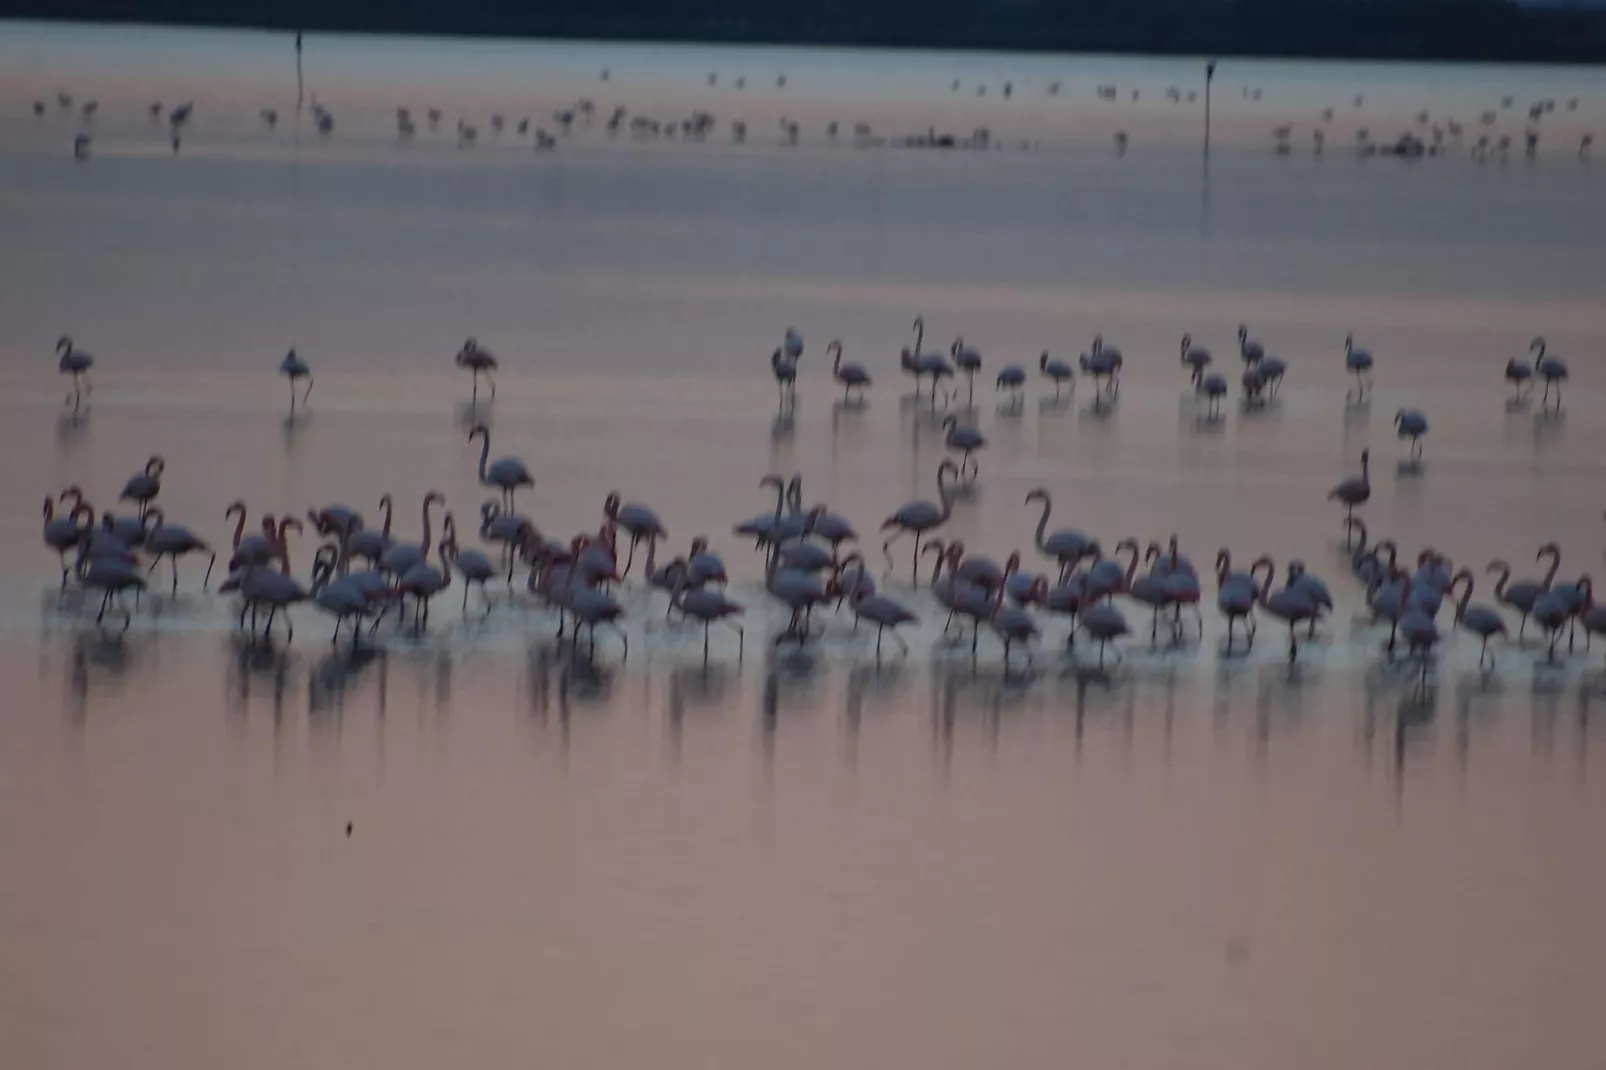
pixel 384 503
pixel 238 512
pixel 429 501
pixel 1555 564
pixel 1042 524
pixel 945 492
pixel 485 451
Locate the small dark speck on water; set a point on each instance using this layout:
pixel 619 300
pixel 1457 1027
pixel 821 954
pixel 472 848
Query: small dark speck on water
pixel 348 828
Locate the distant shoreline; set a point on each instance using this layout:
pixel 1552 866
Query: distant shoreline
pixel 1485 32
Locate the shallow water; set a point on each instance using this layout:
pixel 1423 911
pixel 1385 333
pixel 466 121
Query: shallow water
pixel 1196 860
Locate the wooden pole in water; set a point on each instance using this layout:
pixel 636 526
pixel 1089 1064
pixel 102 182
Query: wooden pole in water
pixel 298 72
pixel 1210 74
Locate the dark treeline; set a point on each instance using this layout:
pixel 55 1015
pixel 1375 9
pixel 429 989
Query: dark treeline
pixel 1383 29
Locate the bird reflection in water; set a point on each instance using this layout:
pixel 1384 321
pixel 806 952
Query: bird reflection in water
pixel 880 684
pixel 472 414
pixel 698 687
pixel 255 667
pixel 71 427
pixel 96 661
pixel 336 677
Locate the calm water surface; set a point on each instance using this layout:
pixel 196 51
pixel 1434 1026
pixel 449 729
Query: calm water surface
pixel 781 862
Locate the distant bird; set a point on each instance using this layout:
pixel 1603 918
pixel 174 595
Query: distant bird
pixel 784 369
pixel 968 360
pixel 80 147
pixel 1057 370
pixel 293 368
pixel 965 440
pixel 1411 424
pixel 1011 377
pixel 1358 362
pixel 1481 621
pixel 1196 359
pixel 1552 369
pixel 143 487
pixel 1353 491
pixel 1249 348
pixel 918 517
pixel 173 541
pixel 1104 623
pixel 76 363
pixel 1520 374
pixel 851 376
pixel 480 361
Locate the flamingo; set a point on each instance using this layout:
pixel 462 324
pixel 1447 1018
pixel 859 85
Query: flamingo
pixel 1591 616
pixel 918 517
pixel 785 369
pixel 250 549
pixel 76 363
pixel 1520 374
pixel 638 521
pixel 1481 621
pixel 1291 606
pixel 112 578
pixel 799 591
pixel 63 533
pixel 173 541
pixel 507 474
pixel 1411 424
pixel 1552 369
pixel 1249 348
pixel 1358 362
pixel 1312 587
pixel 851 376
pixel 1421 635
pixel 1103 363
pixel 400 558
pixel 1057 370
pixel 1011 377
pixel 968 360
pixel 335 519
pixel 920 364
pixel 264 587
pixel 1014 625
pixel 293 368
pixel 505 528
pixel 1237 594
pixel 471 564
pixel 143 486
pixel 423 582
pixel 1214 388
pixel 1522 595
pixel 1271 369
pixel 480 361
pixel 1104 623
pixel 708 606
pixel 1067 546
pixel 965 439
pixel 1196 358
pixel 867 605
pixel 1107 578
pixel 368 543
pixel 346 598
pixel 1354 490
pixel 1551 611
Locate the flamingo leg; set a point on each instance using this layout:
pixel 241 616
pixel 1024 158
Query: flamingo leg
pixel 208 578
pixel 492 381
pixel 174 559
pixel 308 394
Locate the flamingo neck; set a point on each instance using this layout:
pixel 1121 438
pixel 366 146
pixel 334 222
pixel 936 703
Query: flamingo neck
pixel 239 526
pixel 1042 524
pixel 428 540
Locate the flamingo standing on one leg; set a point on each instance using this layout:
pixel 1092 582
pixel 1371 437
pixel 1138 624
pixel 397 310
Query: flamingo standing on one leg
pixel 851 376
pixel 1552 369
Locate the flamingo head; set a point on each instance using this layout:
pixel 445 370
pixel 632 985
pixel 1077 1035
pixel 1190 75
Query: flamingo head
pixel 155 466
pixel 1037 494
pixel 50 508
pixel 699 544
pixel 477 431
pixel 1098 343
pixel 73 492
pixel 64 344
pixel 1013 563
pixel 1536 346
pixel 950 422
pixel 1187 344
pixel 610 505
pixel 1243 332
pixel 1366 458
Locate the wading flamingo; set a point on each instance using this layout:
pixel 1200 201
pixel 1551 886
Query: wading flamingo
pixel 294 368
pixel 918 517
pixel 507 474
pixel 76 363
pixel 480 361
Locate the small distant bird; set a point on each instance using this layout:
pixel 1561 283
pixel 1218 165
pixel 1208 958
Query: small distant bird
pixel 293 368
pixel 80 147
pixel 1411 424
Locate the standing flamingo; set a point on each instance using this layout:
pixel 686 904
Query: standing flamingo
pixel 1249 348
pixel 965 440
pixel 143 487
pixel 1057 370
pixel 480 361
pixel 1196 359
pixel 785 369
pixel 76 363
pixel 1522 595
pixel 473 565
pixel 708 606
pixel 507 474
pixel 1552 369
pixel 1358 362
pixel 918 517
pixel 294 368
pixel 1411 424
pixel 638 521
pixel 1481 621
pixel 173 541
pixel 63 533
pixel 851 376
pixel 1353 491
pixel 1067 546
pixel 968 360
pixel 1520 374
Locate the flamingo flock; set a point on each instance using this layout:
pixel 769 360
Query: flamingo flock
pixel 361 574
